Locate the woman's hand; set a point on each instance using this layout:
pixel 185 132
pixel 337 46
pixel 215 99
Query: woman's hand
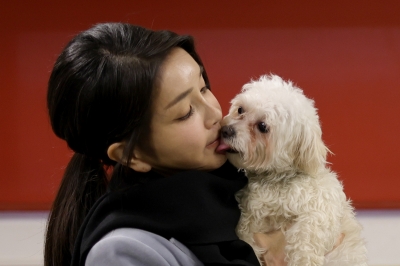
pixel 274 242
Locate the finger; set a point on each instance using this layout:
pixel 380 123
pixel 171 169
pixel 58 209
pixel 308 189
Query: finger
pixel 274 244
pixel 337 243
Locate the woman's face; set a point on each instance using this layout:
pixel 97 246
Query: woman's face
pixel 186 119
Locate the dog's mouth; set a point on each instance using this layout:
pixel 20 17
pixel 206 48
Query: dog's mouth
pixel 232 151
pixel 223 147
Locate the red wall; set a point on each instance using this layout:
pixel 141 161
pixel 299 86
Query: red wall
pixel 344 54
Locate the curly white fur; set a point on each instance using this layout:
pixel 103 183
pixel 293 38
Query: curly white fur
pixel 275 136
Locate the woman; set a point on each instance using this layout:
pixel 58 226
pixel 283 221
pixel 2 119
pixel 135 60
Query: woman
pixel 135 107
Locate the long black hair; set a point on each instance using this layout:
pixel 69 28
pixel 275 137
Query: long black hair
pixel 100 92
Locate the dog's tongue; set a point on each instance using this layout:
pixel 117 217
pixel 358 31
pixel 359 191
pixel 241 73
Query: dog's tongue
pixel 222 147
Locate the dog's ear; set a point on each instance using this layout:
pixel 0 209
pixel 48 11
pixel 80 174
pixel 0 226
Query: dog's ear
pixel 311 151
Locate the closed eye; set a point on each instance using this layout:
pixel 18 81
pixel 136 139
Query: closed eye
pixel 204 89
pixel 189 114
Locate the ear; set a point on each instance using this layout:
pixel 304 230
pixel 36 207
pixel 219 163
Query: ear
pixel 312 151
pixel 115 152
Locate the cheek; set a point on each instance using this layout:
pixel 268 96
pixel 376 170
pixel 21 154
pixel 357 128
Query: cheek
pixel 252 143
pixel 252 135
pixel 259 150
pixel 188 135
pixel 193 133
pixel 191 140
pixel 267 149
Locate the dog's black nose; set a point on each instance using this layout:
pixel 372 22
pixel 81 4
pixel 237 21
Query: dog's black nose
pixel 227 132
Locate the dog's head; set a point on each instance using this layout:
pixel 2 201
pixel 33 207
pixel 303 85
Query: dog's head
pixel 272 126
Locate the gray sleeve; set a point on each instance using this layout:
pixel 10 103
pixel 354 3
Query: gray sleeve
pixel 134 247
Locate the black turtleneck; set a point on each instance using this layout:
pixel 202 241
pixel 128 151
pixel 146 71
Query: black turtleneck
pixel 196 208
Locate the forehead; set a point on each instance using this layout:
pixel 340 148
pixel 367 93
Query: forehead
pixel 178 65
pixel 178 73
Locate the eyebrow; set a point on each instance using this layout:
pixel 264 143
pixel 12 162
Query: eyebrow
pixel 183 94
pixel 178 98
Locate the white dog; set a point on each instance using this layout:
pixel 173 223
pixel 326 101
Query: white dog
pixel 273 134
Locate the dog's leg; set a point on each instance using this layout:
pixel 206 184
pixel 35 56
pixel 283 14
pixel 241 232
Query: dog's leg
pixel 308 240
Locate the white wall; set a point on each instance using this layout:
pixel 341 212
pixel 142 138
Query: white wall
pixel 22 235
pixel 382 233
pixel 21 238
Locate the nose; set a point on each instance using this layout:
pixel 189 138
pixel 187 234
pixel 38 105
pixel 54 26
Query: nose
pixel 227 132
pixel 213 112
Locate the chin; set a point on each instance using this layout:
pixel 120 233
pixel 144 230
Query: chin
pixel 220 161
pixel 216 163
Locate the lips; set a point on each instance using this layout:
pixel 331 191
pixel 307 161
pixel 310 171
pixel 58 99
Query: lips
pixel 213 142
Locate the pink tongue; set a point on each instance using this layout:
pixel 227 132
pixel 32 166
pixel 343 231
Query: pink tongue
pixel 222 147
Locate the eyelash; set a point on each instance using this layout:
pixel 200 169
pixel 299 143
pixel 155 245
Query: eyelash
pixel 191 111
pixel 189 114
pixel 204 89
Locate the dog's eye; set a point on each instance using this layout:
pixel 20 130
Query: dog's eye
pixel 263 127
pixel 240 110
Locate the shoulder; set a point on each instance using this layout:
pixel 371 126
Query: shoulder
pixel 129 246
